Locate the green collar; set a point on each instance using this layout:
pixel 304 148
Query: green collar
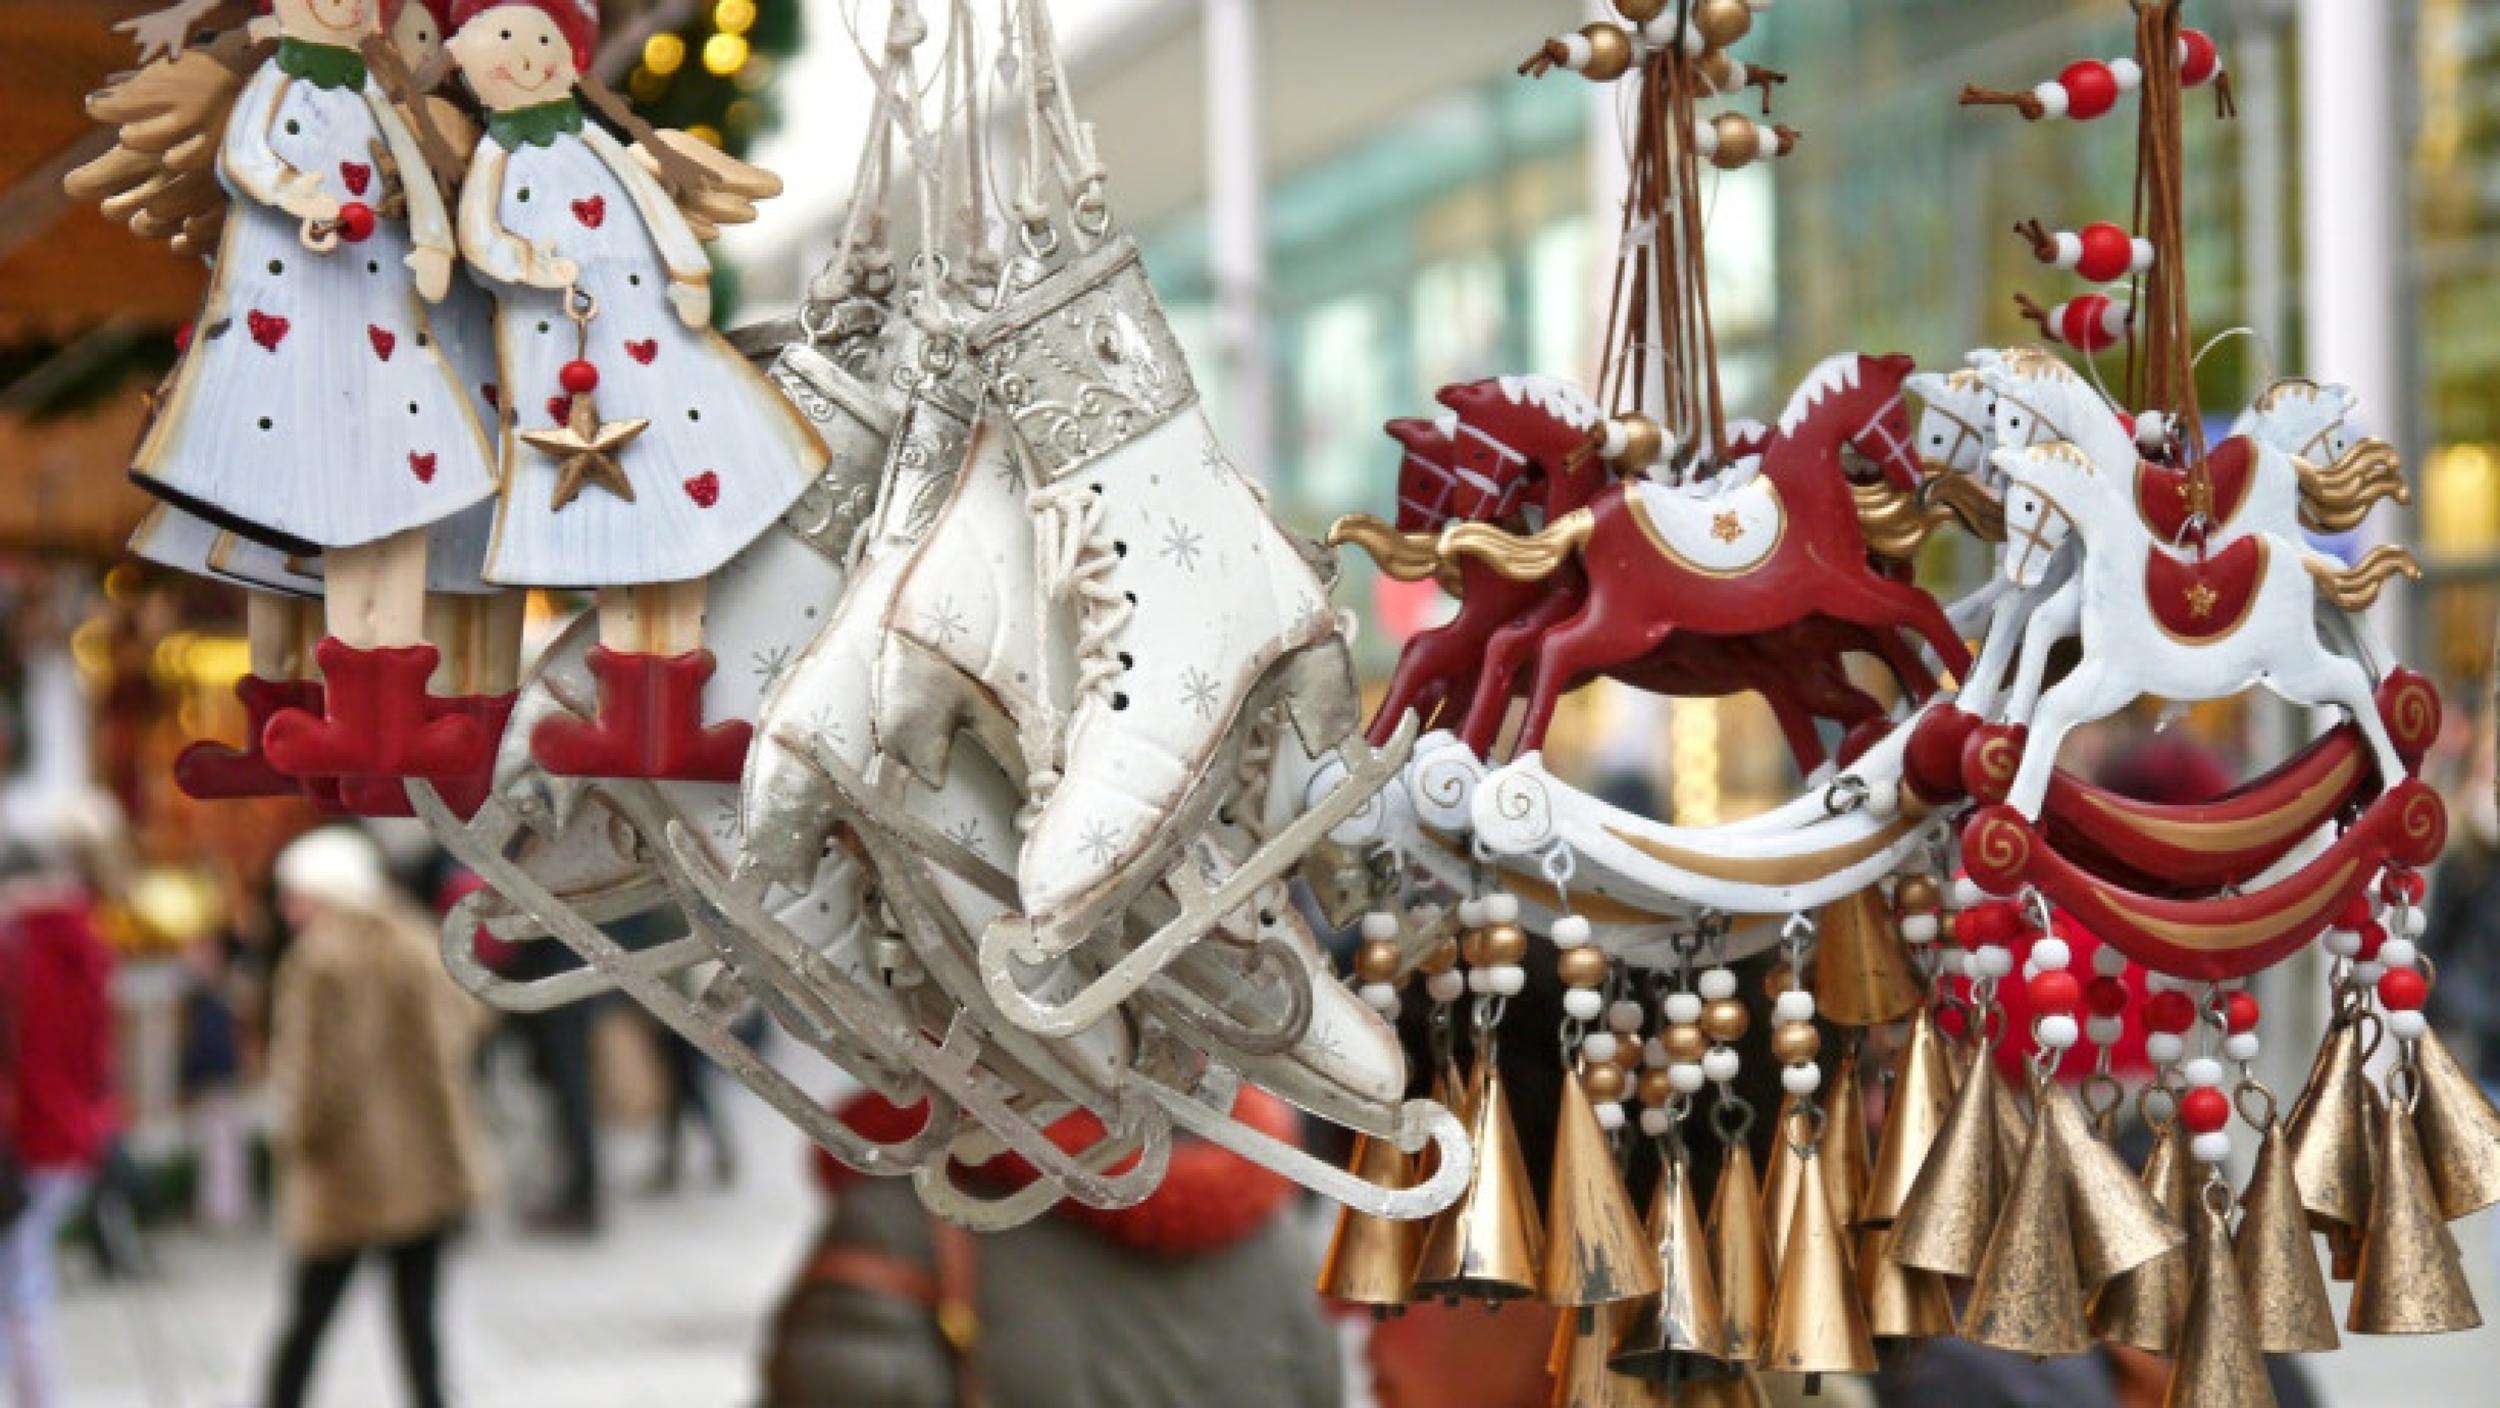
pixel 322 65
pixel 537 126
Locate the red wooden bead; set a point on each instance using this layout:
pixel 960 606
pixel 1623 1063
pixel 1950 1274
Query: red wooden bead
pixel 2106 995
pixel 2055 993
pixel 2169 1011
pixel 2198 62
pixel 2091 89
pixel 2239 1013
pixel 2091 323
pixel 2355 913
pixel 356 222
pixel 2372 935
pixel 2108 252
pixel 579 377
pixel 2402 990
pixel 2402 887
pixel 1952 1022
pixel 1990 923
pixel 2204 1109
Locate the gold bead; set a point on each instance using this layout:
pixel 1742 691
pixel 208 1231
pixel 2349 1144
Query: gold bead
pixel 1503 943
pixel 1582 967
pixel 1684 1045
pixel 1944 926
pixel 1739 140
pixel 1640 11
pixel 1725 1020
pixel 1721 70
pixel 1722 22
pixel 1657 1087
pixel 1443 958
pixel 1471 947
pixel 1610 52
pixel 1795 1043
pixel 1916 894
pixel 1643 441
pixel 1602 1081
pixel 1377 961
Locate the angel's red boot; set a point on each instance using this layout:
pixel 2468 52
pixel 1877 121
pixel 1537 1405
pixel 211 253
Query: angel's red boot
pixel 650 724
pixel 380 721
pixel 213 772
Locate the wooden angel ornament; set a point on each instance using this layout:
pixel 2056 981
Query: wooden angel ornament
pixel 314 410
pixel 640 452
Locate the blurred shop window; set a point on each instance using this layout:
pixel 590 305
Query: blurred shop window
pixel 1341 385
pixel 1458 319
pixel 2461 540
pixel 1562 337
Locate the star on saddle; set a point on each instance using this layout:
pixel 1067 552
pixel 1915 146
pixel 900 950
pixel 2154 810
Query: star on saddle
pixel 585 449
pixel 2200 600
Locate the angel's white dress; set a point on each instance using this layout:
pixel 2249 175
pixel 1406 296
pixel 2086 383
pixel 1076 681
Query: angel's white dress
pixel 464 322
pixel 313 408
pixel 725 454
pixel 186 542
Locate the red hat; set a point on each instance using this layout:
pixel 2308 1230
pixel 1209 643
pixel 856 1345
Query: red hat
pixel 390 8
pixel 576 20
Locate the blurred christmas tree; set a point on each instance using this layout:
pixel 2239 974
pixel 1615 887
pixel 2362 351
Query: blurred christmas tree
pixel 712 74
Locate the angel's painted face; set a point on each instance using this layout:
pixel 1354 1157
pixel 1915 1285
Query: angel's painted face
pixel 514 57
pixel 340 22
pixel 416 37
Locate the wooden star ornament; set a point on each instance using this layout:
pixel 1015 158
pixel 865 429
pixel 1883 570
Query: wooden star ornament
pixel 585 449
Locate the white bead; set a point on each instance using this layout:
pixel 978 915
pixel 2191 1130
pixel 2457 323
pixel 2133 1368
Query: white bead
pixel 2052 96
pixel 2163 982
pixel 1571 931
pixel 2069 249
pixel 2368 973
pixel 2341 943
pixel 1509 980
pixel 2051 955
pixel 1625 1016
pixel 1685 1077
pixel 2108 961
pixel 1683 1008
pixel 1380 924
pixel 1967 894
pixel 2407 1025
pixel 1584 1004
pixel 2399 953
pixel 2057 1031
pixel 1802 1079
pixel 1577 51
pixel 2129 76
pixel 1610 1115
pixel 2105 1031
pixel 2164 1048
pixel 1383 998
pixel 1480 981
pixel 1794 1005
pixel 1447 986
pixel 1721 1063
pixel 2140 257
pixel 2417 920
pixel 2202 1070
pixel 1718 983
pixel 1654 1053
pixel 1919 928
pixel 1501 909
pixel 1600 1046
pixel 2242 1046
pixel 2030 970
pixel 1705 138
pixel 1654 1122
pixel 1471 912
pixel 1883 803
pixel 2211 1148
pixel 1995 960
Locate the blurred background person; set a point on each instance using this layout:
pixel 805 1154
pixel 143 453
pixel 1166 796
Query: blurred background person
pixel 369 1075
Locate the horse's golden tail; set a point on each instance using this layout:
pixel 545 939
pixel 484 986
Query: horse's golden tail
pixel 1897 522
pixel 1404 557
pixel 2356 588
pixel 1531 557
pixel 2335 498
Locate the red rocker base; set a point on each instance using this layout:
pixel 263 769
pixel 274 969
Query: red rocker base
pixel 380 722
pixel 650 724
pixel 213 772
pixel 388 796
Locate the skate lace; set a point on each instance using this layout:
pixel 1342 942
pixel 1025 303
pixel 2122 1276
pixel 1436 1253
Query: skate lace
pixel 1075 559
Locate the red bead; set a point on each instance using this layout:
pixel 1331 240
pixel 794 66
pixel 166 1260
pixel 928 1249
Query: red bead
pixel 2402 887
pixel 2239 1013
pixel 2198 62
pixel 1990 923
pixel 182 337
pixel 2091 323
pixel 2204 1109
pixel 2108 252
pixel 2402 990
pixel 2091 89
pixel 2106 995
pixel 2355 913
pixel 2055 993
pixel 356 222
pixel 2169 1011
pixel 2372 935
pixel 579 377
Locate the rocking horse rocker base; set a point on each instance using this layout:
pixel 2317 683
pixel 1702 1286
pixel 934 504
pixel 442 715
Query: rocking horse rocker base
pixel 211 772
pixel 650 724
pixel 377 721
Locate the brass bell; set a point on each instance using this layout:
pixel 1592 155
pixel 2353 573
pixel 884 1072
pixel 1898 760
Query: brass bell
pixel 1581 1378
pixel 2117 1224
pixel 1845 1159
pixel 2145 1307
pixel 1485 1246
pixel 1678 1333
pixel 2411 1280
pixel 2460 1131
pixel 1902 1302
pixel 1779 1177
pixel 2330 1132
pixel 2028 1295
pixel 1595 1250
pixel 1817 1323
pixel 2278 1259
pixel 1371 1260
pixel 1740 1255
pixel 1952 1204
pixel 1862 971
pixel 1915 1113
pixel 2219 1365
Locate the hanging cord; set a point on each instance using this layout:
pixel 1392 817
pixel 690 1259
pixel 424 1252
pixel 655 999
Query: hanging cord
pixel 2170 374
pixel 1057 142
pixel 867 224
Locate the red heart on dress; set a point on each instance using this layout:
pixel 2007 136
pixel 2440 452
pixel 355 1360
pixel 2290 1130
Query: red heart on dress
pixel 385 341
pixel 559 408
pixel 357 175
pixel 644 350
pixel 704 489
pixel 267 330
pixel 422 466
pixel 493 395
pixel 591 210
